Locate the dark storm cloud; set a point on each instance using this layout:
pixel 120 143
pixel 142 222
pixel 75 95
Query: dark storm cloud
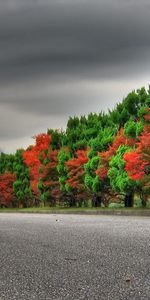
pixel 62 57
pixel 56 37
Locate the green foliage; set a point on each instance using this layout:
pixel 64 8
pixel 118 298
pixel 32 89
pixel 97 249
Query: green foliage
pixel 95 132
pixel 20 195
pixel 116 205
pixel 139 128
pixel 88 181
pixel 63 157
pixel 91 166
pixel 80 145
pixel 148 204
pixel 91 180
pixel 96 185
pixel 143 96
pixel 6 163
pixel 40 186
pixel 94 163
pixel 73 122
pixel 137 202
pixel 21 186
pixel 147 101
pixel 124 116
pixel 130 129
pixel 131 103
pixel 58 138
pixel 44 197
pixel 92 153
pixel 119 180
pixel 68 188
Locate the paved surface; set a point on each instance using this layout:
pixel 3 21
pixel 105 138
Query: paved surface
pixel 74 257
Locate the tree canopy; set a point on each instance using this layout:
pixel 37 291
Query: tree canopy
pixel 98 156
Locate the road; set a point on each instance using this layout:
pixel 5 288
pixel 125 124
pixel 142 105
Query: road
pixel 74 257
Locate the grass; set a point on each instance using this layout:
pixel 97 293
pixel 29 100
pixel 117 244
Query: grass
pixel 47 209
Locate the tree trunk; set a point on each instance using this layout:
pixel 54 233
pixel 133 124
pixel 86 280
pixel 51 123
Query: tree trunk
pixel 72 201
pixel 96 201
pixel 129 200
pixel 144 199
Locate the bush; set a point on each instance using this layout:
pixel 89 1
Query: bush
pixel 137 203
pixel 116 205
pixel 88 203
pixel 84 203
pixel 148 204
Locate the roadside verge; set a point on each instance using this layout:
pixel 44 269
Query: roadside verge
pixel 119 212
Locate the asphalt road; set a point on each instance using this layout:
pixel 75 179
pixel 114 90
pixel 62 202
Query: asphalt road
pixel 74 257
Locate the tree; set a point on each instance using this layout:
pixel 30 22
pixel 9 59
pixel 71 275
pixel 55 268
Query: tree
pixel 106 156
pixel 31 158
pixel 63 157
pixel 7 196
pixel 76 174
pixel 106 159
pixel 137 163
pixel 49 185
pixel 6 163
pixel 119 179
pixel 21 186
pixel 97 155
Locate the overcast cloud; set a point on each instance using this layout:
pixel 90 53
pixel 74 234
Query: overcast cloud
pixel 64 57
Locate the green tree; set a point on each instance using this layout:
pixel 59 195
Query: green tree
pixel 119 179
pixel 21 186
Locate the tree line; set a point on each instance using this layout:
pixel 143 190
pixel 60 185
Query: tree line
pixel 99 159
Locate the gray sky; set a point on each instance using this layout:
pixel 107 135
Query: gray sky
pixel 67 57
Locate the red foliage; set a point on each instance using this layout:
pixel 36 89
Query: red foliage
pixel 106 156
pixel 147 115
pixel 135 166
pixel 42 141
pixel 102 172
pixel 119 140
pixel 136 161
pixel 31 159
pixel 144 140
pixel 76 169
pixel 49 174
pixel 6 189
pixel 80 159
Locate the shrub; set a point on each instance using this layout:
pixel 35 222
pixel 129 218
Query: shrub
pixel 116 205
pixel 137 202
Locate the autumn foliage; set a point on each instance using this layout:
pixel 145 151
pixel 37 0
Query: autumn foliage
pixel 106 156
pixel 31 158
pixel 6 189
pixel 49 176
pixel 97 155
pixel 138 161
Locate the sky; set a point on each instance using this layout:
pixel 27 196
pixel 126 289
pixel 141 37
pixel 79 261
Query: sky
pixel 60 58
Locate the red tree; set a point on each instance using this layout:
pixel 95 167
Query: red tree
pixel 6 189
pixel 146 115
pixel 31 158
pixel 137 161
pixel 49 176
pixel 135 166
pixel 76 173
